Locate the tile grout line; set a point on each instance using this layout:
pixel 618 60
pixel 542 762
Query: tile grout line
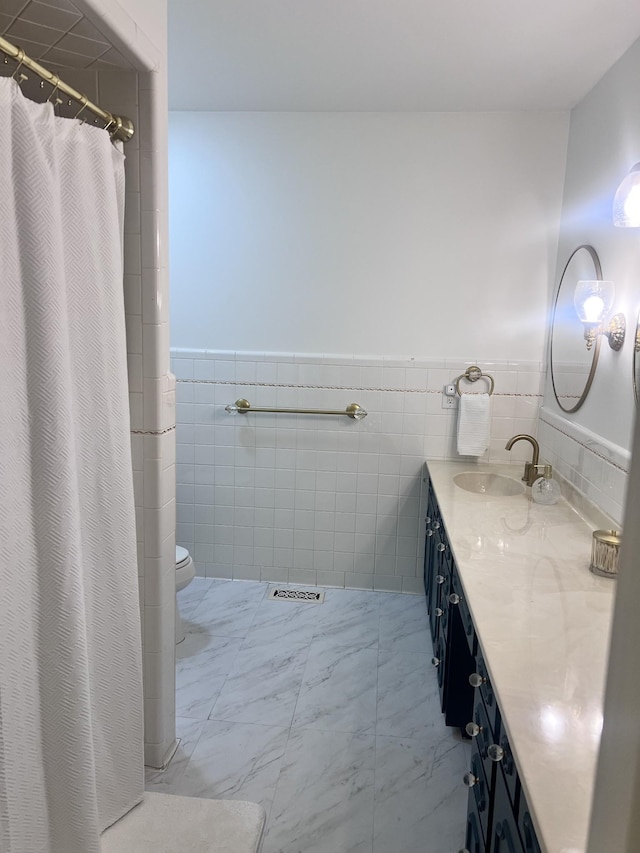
pixel 363 388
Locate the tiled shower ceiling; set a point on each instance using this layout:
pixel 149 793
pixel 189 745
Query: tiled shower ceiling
pixel 57 34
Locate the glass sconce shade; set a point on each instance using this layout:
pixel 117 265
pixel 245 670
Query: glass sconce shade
pixel 593 300
pixel 626 202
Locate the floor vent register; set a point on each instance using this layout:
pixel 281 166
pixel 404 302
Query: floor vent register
pixel 307 596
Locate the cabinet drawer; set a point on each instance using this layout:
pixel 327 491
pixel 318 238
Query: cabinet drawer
pixel 440 589
pixel 460 663
pixel 527 831
pixel 474 840
pixel 509 768
pixel 444 591
pixel 480 791
pixel 486 691
pixel 505 837
pixel 484 737
pixel 439 663
pixel 467 621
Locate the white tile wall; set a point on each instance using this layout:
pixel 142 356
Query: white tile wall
pixel 155 413
pixel 316 499
pixel 57 34
pixel 595 467
pixel 151 388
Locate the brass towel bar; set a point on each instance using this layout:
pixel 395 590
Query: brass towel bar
pixel 241 407
pixel 118 127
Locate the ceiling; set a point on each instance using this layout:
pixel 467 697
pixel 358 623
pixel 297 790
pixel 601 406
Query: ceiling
pixel 409 55
pixel 57 34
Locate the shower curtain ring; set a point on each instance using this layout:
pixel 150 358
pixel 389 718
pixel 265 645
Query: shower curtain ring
pixel 52 94
pixel 110 124
pixel 17 74
pixel 83 104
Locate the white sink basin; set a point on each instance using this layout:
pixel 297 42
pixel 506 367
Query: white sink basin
pixel 484 483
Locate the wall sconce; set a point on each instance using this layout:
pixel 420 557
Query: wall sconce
pixel 626 202
pixel 593 301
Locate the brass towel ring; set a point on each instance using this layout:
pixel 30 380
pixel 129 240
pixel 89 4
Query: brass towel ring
pixel 472 374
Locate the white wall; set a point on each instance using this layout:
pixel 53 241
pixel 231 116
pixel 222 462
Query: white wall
pixel 430 235
pixel 604 142
pixel 151 17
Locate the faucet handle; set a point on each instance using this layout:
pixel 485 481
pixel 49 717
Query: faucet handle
pixel 541 470
pixel 532 472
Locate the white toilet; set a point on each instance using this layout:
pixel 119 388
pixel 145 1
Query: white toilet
pixel 185 573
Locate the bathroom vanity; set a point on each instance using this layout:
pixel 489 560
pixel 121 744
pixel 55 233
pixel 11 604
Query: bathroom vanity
pixel 520 631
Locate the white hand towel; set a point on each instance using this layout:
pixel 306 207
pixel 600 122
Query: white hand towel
pixel 473 424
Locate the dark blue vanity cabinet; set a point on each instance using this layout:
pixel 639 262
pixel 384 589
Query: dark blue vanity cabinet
pixel 450 622
pixel 498 817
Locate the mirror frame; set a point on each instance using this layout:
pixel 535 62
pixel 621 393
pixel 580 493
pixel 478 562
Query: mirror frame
pixel 636 362
pixel 596 348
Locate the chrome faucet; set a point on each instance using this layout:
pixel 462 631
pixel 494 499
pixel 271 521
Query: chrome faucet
pixel 531 469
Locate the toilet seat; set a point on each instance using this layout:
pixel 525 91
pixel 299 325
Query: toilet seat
pixel 185 568
pixel 185 573
pixel 182 557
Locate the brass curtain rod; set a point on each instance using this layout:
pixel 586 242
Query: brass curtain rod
pixel 118 127
pixel 242 407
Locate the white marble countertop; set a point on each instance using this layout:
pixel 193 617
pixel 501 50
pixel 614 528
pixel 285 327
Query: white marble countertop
pixel 543 622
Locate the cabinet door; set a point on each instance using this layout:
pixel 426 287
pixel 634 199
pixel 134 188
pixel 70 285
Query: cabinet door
pixel 438 579
pixel 459 664
pixel 439 663
pixel 508 766
pixel 474 840
pixel 483 736
pixel 486 691
pixel 467 621
pixel 428 561
pixel 480 791
pixel 433 515
pixel 506 838
pixel 527 831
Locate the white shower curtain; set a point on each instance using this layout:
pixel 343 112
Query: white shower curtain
pixel 70 660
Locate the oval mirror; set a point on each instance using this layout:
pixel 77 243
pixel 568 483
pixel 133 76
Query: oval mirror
pixel 636 362
pixel 572 364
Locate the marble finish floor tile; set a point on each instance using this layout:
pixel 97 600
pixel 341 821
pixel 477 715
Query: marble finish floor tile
pixel 263 685
pixel 235 761
pixel 277 622
pixel 338 691
pixel 188 731
pixel 314 699
pixel 202 666
pixel 420 800
pixel 408 696
pixel 404 624
pixel 349 618
pixel 227 609
pixel 324 799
